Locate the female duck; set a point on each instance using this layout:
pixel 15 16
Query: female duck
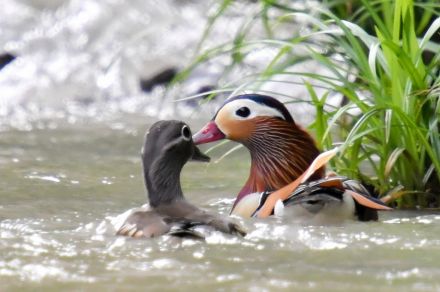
pixel 281 152
pixel 168 146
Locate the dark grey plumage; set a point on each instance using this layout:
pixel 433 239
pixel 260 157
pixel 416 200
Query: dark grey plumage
pixel 168 146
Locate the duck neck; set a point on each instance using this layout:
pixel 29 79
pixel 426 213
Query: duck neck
pixel 162 181
pixel 280 152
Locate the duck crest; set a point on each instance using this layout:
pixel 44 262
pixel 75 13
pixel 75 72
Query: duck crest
pixel 272 141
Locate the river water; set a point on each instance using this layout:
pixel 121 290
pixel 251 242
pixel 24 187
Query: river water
pixel 71 128
pixel 62 189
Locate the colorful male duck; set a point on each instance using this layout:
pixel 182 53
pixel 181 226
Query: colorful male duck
pixel 281 153
pixel 168 146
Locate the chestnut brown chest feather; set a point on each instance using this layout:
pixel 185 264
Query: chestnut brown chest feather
pixel 280 152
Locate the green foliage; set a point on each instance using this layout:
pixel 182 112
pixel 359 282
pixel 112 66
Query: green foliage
pixel 384 63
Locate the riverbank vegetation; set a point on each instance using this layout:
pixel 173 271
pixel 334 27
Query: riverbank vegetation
pixel 382 58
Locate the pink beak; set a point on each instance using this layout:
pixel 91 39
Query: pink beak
pixel 209 133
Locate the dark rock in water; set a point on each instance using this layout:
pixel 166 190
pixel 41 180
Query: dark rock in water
pixel 5 59
pixel 165 76
pixel 207 88
pixel 162 78
pixel 207 96
pixel 193 85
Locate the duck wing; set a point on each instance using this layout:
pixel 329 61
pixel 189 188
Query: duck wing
pixel 315 195
pixel 150 224
pixel 144 224
pixel 314 200
pixel 184 211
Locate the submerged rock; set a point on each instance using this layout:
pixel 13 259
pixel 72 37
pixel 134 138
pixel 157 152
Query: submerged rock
pixel 5 59
pixel 164 77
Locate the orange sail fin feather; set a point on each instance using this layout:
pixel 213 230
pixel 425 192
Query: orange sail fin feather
pixel 283 193
pixel 364 201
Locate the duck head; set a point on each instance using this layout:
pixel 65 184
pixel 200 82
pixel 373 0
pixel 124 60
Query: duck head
pixel 280 149
pixel 241 116
pixel 168 146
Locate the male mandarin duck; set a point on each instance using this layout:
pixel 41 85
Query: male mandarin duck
pixel 287 168
pixel 168 146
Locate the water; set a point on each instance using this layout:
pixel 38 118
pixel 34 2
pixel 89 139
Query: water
pixel 61 189
pixel 72 120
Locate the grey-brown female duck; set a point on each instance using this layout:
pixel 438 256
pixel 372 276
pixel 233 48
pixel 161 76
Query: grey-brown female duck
pixel 168 146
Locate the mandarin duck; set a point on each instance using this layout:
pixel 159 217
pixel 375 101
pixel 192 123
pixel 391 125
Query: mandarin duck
pixel 287 168
pixel 168 146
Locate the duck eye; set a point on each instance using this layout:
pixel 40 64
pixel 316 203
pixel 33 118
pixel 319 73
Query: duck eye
pixel 186 133
pixel 243 112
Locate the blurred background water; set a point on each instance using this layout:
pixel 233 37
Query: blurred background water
pixel 72 120
pixel 87 57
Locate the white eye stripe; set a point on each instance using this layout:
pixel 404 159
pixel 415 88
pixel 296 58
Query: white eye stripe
pixel 186 133
pixel 256 109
